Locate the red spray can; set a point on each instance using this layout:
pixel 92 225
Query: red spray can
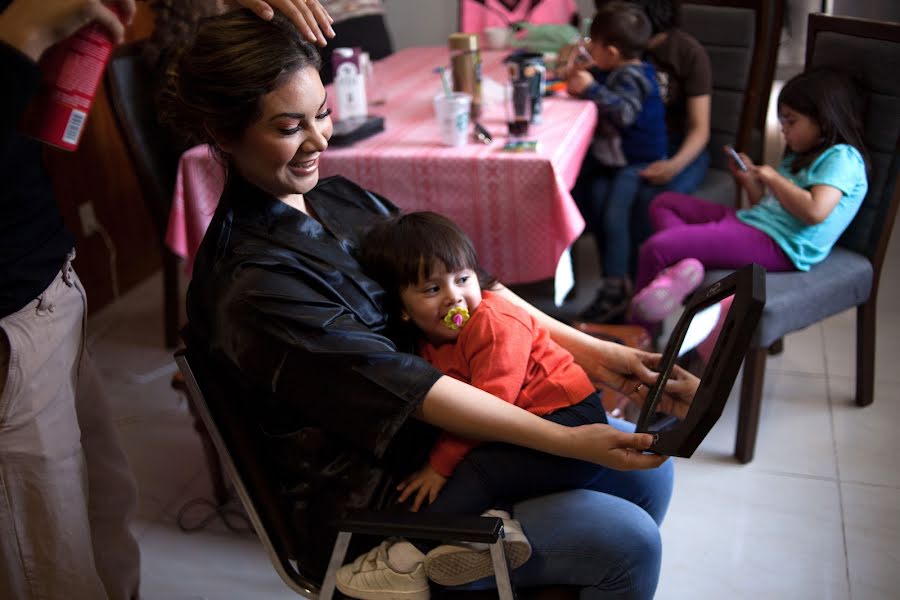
pixel 71 72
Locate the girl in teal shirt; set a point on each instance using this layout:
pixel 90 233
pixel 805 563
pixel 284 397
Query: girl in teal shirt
pixel 797 213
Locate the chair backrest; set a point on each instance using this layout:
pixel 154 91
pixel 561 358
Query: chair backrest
pixel 131 86
pixel 870 50
pixel 241 452
pixel 741 38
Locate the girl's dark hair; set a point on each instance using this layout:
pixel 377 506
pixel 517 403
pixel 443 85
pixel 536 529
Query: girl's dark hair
pixel 663 14
pixel 623 25
pixel 834 102
pixel 395 250
pixel 213 89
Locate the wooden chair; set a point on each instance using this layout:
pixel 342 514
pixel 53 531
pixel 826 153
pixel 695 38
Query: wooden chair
pixel 741 38
pixel 131 88
pixel 849 277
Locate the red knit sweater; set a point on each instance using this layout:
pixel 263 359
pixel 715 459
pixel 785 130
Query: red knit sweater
pixel 503 351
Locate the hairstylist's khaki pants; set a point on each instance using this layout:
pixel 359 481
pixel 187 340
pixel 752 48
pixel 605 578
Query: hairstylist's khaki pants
pixel 66 492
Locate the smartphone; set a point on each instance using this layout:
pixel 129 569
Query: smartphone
pixel 736 158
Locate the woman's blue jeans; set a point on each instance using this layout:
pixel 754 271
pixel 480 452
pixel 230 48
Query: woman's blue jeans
pixel 604 540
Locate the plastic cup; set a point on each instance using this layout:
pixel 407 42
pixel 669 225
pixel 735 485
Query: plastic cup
pixel 496 38
pixel 453 117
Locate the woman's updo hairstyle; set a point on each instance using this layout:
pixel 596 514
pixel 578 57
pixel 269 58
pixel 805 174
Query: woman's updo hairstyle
pixel 213 89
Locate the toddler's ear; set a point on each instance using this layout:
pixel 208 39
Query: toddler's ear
pixel 404 316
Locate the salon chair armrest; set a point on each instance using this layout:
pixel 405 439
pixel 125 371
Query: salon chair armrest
pixel 442 527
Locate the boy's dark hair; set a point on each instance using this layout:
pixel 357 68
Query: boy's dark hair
pixel 395 250
pixel 623 25
pixel 663 14
pixel 831 99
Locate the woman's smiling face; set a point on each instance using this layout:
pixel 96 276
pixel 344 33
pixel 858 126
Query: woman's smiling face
pixel 279 152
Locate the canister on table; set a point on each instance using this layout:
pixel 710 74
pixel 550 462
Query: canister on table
pixel 465 64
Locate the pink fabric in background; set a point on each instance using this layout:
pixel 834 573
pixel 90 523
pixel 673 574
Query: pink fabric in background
pixel 475 16
pixel 516 207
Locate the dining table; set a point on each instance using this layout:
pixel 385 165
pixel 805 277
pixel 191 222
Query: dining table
pixel 516 206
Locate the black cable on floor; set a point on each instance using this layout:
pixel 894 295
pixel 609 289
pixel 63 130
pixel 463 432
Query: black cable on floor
pixel 234 518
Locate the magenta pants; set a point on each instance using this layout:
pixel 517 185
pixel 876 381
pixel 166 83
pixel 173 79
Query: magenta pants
pixel 688 227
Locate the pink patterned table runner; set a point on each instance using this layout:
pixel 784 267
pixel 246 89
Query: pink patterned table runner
pixel 516 207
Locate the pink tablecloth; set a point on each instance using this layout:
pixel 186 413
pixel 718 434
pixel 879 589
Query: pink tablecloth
pixel 516 207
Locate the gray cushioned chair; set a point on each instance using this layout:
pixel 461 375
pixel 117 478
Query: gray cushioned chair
pixel 849 277
pixel 741 38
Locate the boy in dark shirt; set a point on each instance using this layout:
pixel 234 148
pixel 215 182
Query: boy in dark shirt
pixel 630 135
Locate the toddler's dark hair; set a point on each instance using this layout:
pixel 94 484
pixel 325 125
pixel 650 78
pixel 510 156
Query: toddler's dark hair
pixel 395 250
pixel 833 100
pixel 623 25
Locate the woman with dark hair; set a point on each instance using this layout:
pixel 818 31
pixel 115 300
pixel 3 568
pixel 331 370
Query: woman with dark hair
pixel 684 76
pixel 279 300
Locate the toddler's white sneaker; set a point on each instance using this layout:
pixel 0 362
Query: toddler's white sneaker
pixel 464 562
pixel 373 576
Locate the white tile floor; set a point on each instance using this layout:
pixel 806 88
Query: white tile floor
pixel 815 515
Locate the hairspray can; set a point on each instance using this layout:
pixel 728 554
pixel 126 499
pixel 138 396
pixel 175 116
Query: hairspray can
pixel 70 75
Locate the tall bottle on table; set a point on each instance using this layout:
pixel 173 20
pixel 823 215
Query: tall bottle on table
pixel 465 65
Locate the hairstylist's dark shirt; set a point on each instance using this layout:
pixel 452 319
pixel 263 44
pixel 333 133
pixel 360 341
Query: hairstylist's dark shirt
pixel 33 240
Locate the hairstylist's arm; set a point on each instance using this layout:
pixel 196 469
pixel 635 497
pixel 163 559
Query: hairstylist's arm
pixel 32 27
pixel 696 137
pixel 308 16
pixel 464 410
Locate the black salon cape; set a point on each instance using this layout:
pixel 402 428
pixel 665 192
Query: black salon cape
pixel 279 298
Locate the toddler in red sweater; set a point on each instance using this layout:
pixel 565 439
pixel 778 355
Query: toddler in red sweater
pixel 428 267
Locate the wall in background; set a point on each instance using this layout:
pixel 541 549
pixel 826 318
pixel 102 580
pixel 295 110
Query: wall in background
pixel 882 10
pixel 429 22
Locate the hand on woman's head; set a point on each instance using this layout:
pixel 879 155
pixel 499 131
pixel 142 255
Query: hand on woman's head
pixel 32 27
pixel 308 16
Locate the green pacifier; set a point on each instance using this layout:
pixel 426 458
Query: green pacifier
pixel 456 318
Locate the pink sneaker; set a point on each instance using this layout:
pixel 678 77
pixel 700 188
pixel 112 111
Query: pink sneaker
pixel 667 291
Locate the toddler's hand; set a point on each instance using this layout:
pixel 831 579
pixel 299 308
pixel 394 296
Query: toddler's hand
pixel 579 81
pixel 427 483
